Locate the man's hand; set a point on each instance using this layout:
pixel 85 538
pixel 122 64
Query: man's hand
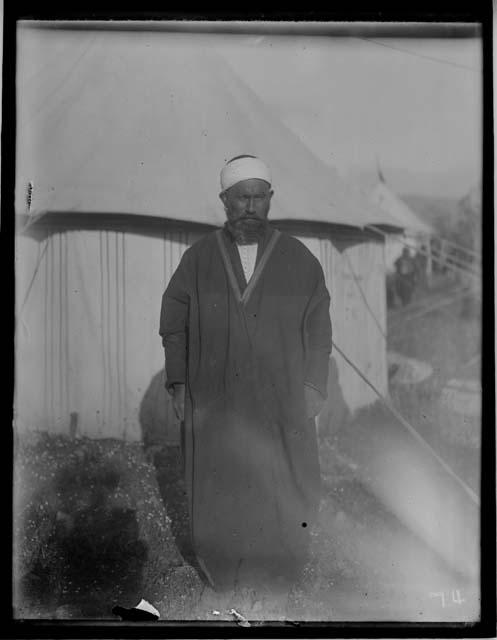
pixel 314 401
pixel 179 401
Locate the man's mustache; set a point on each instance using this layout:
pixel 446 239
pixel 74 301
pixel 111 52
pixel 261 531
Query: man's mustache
pixel 250 218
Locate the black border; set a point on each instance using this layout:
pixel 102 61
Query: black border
pixel 431 14
pixel 354 10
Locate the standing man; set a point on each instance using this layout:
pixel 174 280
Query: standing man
pixel 246 330
pixel 405 274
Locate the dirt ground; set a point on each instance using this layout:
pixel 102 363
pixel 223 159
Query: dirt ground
pixel 92 532
pixel 100 523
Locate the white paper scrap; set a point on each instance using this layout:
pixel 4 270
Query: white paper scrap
pixel 146 606
pixel 243 622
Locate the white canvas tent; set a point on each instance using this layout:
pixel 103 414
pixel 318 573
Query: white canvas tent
pixel 120 139
pixel 417 232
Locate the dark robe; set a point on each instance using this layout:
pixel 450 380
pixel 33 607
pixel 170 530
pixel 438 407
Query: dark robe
pixel 245 353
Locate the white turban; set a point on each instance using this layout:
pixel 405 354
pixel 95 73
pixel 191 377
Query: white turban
pixel 245 168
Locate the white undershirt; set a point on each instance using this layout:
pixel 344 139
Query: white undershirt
pixel 248 255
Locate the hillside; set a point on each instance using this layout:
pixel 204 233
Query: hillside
pixel 438 211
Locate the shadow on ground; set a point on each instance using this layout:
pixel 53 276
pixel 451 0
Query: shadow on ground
pixel 90 529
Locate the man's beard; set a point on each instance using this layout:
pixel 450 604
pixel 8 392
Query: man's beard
pixel 247 230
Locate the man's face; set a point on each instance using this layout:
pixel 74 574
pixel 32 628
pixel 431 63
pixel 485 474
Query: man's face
pixel 247 206
pixel 247 200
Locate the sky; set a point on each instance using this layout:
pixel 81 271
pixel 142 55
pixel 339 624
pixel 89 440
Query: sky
pixel 414 105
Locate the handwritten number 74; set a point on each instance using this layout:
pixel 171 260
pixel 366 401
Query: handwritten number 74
pixel 454 596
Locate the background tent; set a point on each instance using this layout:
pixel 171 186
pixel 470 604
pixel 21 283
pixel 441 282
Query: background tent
pixel 121 136
pixel 416 232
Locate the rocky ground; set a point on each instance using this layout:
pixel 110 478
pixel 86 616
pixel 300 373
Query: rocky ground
pixel 92 532
pixel 102 537
pixel 100 523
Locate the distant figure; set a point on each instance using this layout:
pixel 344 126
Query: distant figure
pixel 420 261
pixel 405 276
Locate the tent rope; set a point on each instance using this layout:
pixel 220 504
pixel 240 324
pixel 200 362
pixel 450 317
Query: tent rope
pixel 471 260
pixel 464 270
pixel 363 295
pixel 451 259
pixel 419 304
pixel 30 286
pixel 450 262
pixel 473 252
pixel 410 428
pixel 441 303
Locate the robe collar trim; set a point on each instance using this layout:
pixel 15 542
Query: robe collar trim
pixel 261 263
